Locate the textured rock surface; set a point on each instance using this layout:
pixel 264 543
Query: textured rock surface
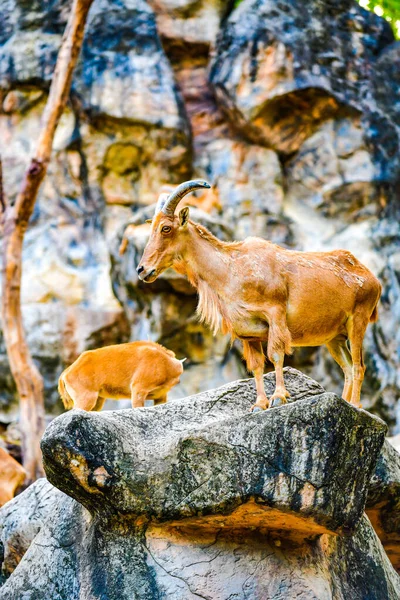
pixel 383 504
pixel 165 463
pixel 22 519
pixel 200 498
pixel 333 173
pixel 273 59
pixel 115 145
pixel 292 109
pixel 48 541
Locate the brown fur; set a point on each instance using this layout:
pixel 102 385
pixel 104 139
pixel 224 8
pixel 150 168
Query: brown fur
pixel 260 292
pixel 12 476
pixel 65 397
pixel 138 370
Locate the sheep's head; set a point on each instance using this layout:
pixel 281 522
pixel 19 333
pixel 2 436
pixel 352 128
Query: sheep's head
pixel 167 232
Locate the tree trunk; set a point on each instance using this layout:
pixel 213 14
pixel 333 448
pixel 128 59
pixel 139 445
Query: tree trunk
pixel 28 380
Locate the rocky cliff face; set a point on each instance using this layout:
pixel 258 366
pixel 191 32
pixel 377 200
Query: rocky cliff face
pixel 291 110
pixel 200 498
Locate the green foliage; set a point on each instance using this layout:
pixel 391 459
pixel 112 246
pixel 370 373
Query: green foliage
pixel 389 9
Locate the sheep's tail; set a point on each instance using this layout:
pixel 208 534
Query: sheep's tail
pixel 65 397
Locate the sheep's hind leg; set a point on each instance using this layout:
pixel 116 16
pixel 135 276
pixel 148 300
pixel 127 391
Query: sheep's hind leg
pixel 357 325
pixel 85 400
pixel 82 397
pixel 160 400
pixel 100 403
pixel 340 352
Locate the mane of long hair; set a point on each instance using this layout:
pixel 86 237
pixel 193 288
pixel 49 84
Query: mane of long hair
pixel 210 309
pixel 206 235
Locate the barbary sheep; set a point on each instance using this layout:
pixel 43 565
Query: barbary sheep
pixel 260 292
pixel 137 370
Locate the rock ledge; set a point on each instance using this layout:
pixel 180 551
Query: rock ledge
pixel 200 498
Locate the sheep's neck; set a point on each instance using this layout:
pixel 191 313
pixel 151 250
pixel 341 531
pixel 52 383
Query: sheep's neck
pixel 205 258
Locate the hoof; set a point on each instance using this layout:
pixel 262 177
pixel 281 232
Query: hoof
pixel 256 409
pixel 277 402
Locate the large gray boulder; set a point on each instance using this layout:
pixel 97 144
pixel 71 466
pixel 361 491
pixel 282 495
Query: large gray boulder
pixel 201 498
pixel 383 503
pixel 205 451
pixel 21 519
pixel 318 81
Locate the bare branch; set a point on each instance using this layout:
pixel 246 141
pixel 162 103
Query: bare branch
pixel 3 200
pixel 28 380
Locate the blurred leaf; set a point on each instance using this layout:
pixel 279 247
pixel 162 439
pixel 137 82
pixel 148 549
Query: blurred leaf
pixel 389 9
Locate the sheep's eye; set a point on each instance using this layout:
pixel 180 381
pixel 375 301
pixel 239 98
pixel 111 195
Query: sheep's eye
pixel 165 229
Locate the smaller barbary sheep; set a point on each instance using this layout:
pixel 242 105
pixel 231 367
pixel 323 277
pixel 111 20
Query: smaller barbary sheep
pixel 138 370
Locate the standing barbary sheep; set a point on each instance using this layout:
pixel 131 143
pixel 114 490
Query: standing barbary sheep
pixel 260 292
pixel 138 370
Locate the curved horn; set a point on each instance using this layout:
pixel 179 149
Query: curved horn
pixel 162 198
pixel 181 191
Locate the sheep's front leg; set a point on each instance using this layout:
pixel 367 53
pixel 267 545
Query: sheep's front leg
pixel 138 396
pixel 279 342
pixel 254 357
pixel 280 394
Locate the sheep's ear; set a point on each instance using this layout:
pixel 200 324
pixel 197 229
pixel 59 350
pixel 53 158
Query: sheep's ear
pixel 123 246
pixel 184 216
